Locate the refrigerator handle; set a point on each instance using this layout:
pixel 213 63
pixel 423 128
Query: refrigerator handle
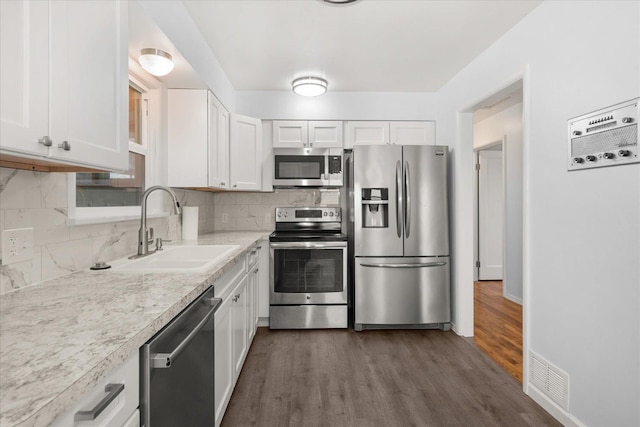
pixel 407 200
pixel 398 198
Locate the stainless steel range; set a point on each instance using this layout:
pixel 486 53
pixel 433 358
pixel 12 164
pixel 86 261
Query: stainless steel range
pixel 308 286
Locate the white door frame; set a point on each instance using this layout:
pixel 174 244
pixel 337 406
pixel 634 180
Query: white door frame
pixel 465 219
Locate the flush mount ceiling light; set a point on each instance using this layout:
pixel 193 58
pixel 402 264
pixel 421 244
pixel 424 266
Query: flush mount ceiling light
pixel 339 1
pixel 155 61
pixel 309 86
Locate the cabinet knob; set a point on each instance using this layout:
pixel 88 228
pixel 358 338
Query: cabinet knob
pixel 222 183
pixel 65 146
pixel 235 185
pixel 46 141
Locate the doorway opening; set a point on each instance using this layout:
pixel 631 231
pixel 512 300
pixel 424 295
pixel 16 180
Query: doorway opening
pixel 498 228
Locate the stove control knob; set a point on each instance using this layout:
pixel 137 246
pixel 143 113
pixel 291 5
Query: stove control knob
pixel 608 155
pixel 324 214
pixel 578 160
pixel 591 158
pixel 308 297
pixel 279 214
pixel 286 214
pixel 330 213
pixel 624 153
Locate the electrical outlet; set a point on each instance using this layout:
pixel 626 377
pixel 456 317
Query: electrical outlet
pixel 17 245
pixel 225 218
pixel 267 217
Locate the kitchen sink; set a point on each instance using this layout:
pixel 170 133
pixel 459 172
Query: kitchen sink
pixel 179 259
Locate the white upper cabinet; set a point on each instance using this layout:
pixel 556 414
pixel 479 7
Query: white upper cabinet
pixel 290 133
pixel 188 138
pixel 300 133
pixel 325 134
pixel 81 48
pixel 245 153
pixel 218 144
pixel 412 133
pixel 366 133
pixel 392 132
pixel 198 135
pixel 24 76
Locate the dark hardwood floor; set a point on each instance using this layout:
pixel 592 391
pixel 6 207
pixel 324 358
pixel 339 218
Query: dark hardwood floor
pixel 375 378
pixel 498 326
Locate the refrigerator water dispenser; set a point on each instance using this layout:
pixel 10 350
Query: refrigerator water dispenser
pixel 375 207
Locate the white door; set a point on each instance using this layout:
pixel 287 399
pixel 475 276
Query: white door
pixel 24 74
pixel 290 133
pixel 89 65
pixel 325 134
pixel 412 133
pixel 218 143
pixel 366 133
pixel 239 325
pixel 490 215
pixel 245 154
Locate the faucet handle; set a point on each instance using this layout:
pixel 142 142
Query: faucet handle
pixel 150 235
pixel 159 244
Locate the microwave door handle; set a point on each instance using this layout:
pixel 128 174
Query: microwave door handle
pixel 407 200
pixel 398 198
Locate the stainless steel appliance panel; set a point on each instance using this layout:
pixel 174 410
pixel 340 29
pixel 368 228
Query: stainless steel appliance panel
pixel 315 274
pixel 307 317
pixel 402 291
pixel 426 224
pixel 378 167
pixel 178 369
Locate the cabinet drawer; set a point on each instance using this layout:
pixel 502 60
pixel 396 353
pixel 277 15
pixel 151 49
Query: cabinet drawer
pixel 121 384
pixel 252 257
pixel 224 285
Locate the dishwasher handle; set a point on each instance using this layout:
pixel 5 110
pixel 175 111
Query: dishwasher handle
pixel 165 360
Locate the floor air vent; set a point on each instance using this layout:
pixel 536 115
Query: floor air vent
pixel 553 382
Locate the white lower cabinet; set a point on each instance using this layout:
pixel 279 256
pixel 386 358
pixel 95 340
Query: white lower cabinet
pixel 263 283
pixel 235 325
pixel 119 390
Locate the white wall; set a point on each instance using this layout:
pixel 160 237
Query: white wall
pixel 175 22
pixel 582 300
pixel 508 124
pixel 338 105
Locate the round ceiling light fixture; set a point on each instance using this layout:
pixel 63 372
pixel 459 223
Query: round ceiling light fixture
pixel 309 86
pixel 155 61
pixel 339 1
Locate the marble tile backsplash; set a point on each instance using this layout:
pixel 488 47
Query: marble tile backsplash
pixel 39 200
pixel 254 211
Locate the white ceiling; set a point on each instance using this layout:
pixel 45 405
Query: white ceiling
pixel 370 45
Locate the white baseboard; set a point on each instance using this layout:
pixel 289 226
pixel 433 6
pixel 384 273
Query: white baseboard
pixel 263 321
pixel 514 299
pixel 552 408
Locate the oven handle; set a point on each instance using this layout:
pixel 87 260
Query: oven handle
pixel 308 245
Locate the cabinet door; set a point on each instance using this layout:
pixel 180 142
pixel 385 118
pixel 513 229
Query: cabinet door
pixel 366 133
pixel 224 368
pixel 239 326
pixel 245 153
pixel 89 65
pixel 290 133
pixel 256 280
pixel 325 134
pixel 251 305
pixel 218 144
pixel 24 73
pixel 412 133
pixel 187 138
pixel 263 280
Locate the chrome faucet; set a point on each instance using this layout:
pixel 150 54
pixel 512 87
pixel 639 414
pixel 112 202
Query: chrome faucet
pixel 146 236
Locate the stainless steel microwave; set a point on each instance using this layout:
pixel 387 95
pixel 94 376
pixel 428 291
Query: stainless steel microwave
pixel 307 167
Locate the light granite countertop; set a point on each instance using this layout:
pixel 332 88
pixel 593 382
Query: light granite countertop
pixel 60 337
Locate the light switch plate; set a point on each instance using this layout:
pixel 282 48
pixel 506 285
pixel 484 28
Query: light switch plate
pixel 17 245
pixel 225 218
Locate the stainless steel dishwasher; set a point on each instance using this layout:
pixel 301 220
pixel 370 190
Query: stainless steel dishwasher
pixel 177 369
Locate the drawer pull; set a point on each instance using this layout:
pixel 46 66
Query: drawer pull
pixel 113 390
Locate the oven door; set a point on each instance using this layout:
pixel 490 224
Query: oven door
pixel 308 273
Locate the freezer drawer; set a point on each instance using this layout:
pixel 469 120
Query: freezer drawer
pixel 402 291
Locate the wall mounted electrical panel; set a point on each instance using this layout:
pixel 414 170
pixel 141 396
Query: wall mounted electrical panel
pixel 607 137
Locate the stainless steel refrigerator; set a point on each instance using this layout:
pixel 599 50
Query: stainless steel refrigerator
pixel 400 236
